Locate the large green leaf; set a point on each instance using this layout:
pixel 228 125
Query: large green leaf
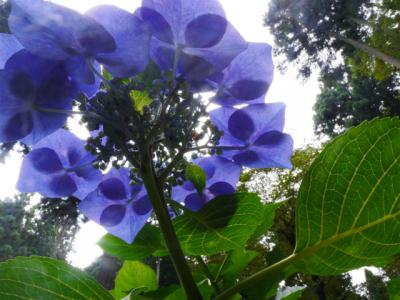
pixel 348 210
pixel 223 224
pixel 237 262
pixel 134 278
pixel 148 242
pixel 42 278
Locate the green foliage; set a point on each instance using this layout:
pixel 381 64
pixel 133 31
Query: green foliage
pixel 226 223
pixel 311 33
pixel 40 230
pixel 134 278
pixel 104 269
pixel 5 8
pixel 197 176
pixel 46 279
pixel 347 100
pixel 394 289
pixel 375 286
pixel 140 100
pixel 348 200
pixel 148 242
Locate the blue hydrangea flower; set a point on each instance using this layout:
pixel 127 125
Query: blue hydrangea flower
pixel 120 208
pixel 256 130
pixel 112 36
pixel 59 166
pixel 248 78
pixel 28 86
pixel 198 30
pixel 222 177
pixel 9 45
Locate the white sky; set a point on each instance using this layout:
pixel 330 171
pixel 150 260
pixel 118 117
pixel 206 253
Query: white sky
pixel 247 17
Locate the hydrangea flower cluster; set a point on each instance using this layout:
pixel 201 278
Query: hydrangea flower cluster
pixel 55 54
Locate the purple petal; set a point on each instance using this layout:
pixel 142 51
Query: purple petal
pixel 179 193
pixel 132 38
pixel 158 25
pixel 9 45
pixel 246 157
pixel 222 54
pixel 248 77
pixel 194 67
pixel 45 160
pixel 113 189
pixel 240 125
pixel 205 31
pixel 268 155
pixel 265 118
pixel 62 185
pixel 15 127
pixel 180 13
pixel 56 32
pixel 112 215
pixel 122 222
pixel 270 138
pixel 142 206
pixel 195 202
pixel 221 188
pixel 224 170
pixel 162 54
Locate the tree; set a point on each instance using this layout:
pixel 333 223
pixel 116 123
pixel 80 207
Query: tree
pixel 346 100
pixel 4 12
pixel 26 230
pixel 311 32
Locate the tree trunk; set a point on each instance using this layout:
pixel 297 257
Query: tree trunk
pixel 370 50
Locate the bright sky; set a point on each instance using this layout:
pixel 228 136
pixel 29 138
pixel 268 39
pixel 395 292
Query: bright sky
pixel 247 17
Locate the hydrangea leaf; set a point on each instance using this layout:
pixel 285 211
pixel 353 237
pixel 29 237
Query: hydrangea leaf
pixel 197 176
pixel 148 242
pixel 268 219
pixel 48 279
pixel 394 289
pixel 348 209
pixel 140 100
pixel 223 224
pixel 134 277
pixel 238 260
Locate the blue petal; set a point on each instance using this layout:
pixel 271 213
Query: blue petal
pixel 62 185
pixel 142 206
pixel 9 45
pixel 221 188
pixel 240 125
pixel 265 117
pixel 46 169
pixel 268 155
pixel 56 32
pixel 46 160
pixel 82 77
pixel 15 126
pixel 205 31
pixel 222 54
pixel 180 13
pixel 224 170
pixel 120 218
pixel 159 27
pixel 248 77
pixel 112 215
pixel 113 189
pixel 195 202
pixel 132 38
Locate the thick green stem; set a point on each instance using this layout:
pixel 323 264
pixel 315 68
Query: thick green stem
pixel 270 275
pixel 160 208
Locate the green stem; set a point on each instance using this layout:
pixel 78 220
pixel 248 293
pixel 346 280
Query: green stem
pixel 209 275
pixel 160 208
pixel 274 273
